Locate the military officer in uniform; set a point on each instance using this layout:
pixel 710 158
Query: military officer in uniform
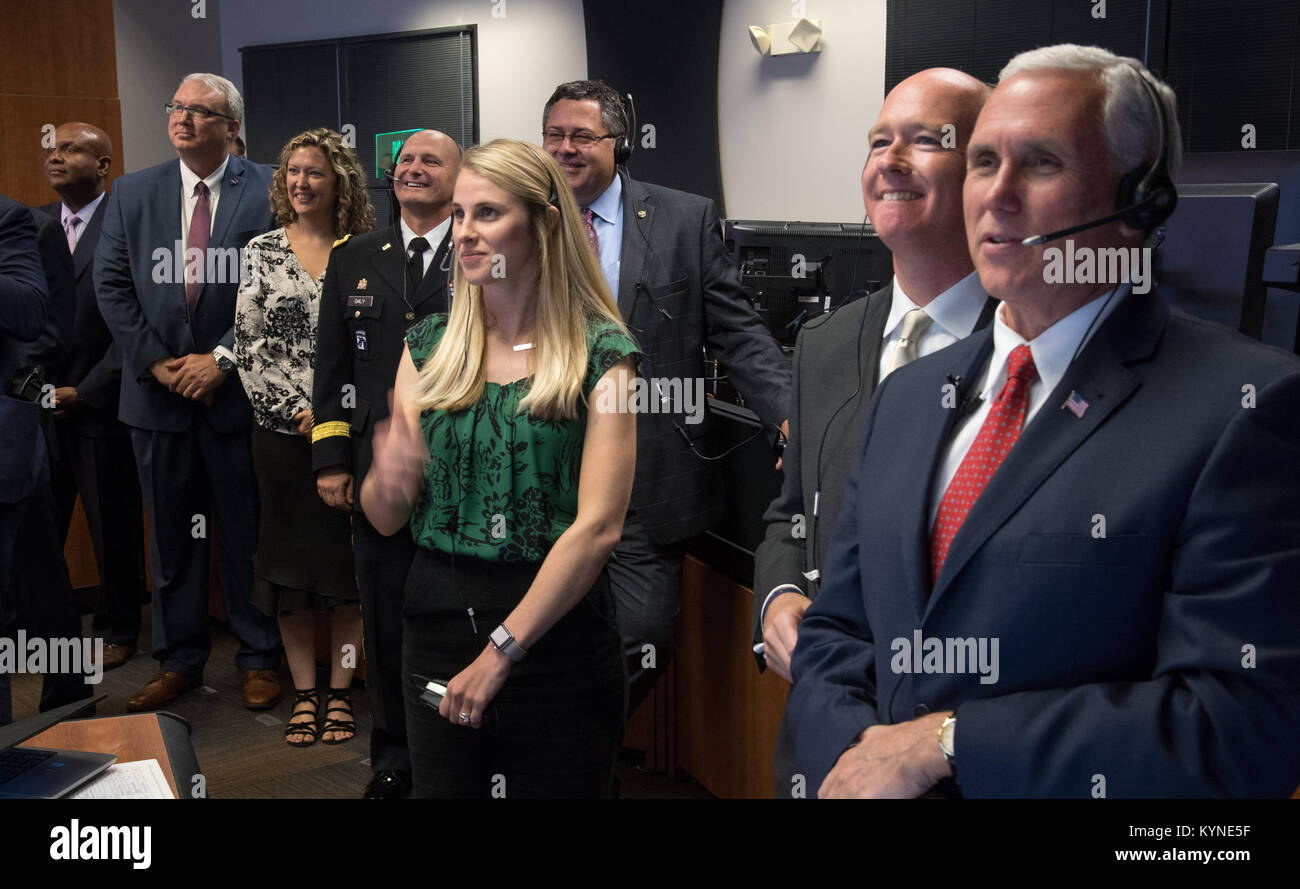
pixel 376 286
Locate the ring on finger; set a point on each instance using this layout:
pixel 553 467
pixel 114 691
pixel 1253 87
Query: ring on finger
pixel 464 718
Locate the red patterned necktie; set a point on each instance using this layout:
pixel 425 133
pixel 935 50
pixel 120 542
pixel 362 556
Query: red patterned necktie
pixel 591 231
pixel 200 232
pixel 1000 430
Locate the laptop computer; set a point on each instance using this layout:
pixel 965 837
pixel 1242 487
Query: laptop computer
pixel 41 773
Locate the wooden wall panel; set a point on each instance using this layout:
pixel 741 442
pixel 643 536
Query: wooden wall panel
pixel 59 63
pixel 726 715
pixel 58 48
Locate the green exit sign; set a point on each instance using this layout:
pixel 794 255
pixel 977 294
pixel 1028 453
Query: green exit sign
pixel 387 148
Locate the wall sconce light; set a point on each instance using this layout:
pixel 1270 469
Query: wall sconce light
pixel 787 38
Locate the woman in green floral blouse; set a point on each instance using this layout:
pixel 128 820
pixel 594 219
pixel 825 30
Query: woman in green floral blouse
pixel 509 459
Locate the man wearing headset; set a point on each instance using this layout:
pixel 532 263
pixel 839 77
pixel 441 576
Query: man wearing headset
pixel 376 286
pixel 911 189
pixel 662 253
pixel 1066 556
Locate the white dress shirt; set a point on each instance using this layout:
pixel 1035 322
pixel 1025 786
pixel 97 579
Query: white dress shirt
pixel 1053 350
pixel 953 315
pixel 189 199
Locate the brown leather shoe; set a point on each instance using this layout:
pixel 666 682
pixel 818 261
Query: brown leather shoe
pixel 116 655
pixel 261 689
pixel 161 691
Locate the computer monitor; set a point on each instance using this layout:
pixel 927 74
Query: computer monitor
pixel 794 271
pixel 1210 263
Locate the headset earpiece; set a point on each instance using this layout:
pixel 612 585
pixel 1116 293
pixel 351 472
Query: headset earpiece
pixel 1149 191
pixel 623 144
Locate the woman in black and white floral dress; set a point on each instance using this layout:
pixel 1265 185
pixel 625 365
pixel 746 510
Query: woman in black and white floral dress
pixel 304 553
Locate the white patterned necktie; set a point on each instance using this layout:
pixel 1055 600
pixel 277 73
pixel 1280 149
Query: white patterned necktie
pixel 915 323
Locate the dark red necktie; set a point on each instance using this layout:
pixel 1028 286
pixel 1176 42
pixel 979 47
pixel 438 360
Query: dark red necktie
pixel 591 231
pixel 200 232
pixel 1000 430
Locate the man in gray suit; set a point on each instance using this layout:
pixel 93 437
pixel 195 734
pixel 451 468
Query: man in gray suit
pixel 662 254
pixel 911 188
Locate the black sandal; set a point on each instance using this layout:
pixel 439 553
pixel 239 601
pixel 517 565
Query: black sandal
pixel 338 725
pixel 307 727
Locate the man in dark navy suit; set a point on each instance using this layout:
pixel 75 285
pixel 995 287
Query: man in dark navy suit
pixel 23 457
pixel 166 273
pixel 1066 559
pixel 40 586
pixel 95 456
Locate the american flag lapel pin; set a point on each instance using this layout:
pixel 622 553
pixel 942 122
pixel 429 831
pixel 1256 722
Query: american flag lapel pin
pixel 1076 404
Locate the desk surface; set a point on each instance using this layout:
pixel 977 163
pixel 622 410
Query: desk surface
pixel 130 738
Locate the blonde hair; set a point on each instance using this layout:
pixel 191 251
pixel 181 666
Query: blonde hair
pixel 353 214
pixel 571 293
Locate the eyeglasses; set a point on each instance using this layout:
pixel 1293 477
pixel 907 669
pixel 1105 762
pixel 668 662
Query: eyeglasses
pixel 580 139
pixel 198 112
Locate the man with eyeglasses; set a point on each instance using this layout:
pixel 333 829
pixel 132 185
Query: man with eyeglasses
pixel 662 253
pixel 166 274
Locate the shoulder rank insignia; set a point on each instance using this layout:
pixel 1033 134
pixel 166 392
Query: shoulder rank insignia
pixel 342 240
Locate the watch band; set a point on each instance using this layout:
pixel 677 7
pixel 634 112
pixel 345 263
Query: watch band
pixel 504 641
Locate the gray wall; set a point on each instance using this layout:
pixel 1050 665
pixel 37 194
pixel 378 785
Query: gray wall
pixel 158 42
pixel 524 49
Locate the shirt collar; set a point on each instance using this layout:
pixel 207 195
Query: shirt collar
pixel 84 213
pixel 434 236
pixel 956 310
pixel 189 178
pixel 611 199
pixel 1055 347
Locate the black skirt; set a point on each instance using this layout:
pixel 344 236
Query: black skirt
pixel 554 728
pixel 304 548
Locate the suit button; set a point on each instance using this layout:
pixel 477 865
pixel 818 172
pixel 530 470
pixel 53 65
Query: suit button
pixel 920 710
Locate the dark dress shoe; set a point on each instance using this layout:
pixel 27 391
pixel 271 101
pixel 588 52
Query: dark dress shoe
pixel 116 655
pixel 261 689
pixel 388 784
pixel 161 690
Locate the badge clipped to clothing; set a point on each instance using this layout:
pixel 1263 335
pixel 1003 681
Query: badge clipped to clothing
pixel 361 299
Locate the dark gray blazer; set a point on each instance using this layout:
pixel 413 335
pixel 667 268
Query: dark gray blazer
pixel 678 292
pixel 826 419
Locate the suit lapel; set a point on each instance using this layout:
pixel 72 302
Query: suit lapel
pixel 638 222
pixel 232 192
pixel 926 451
pixel 171 207
pixel 390 261
pixel 85 251
pixel 1100 376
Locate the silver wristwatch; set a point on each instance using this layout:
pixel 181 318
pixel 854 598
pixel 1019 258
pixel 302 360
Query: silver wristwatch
pixel 504 641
